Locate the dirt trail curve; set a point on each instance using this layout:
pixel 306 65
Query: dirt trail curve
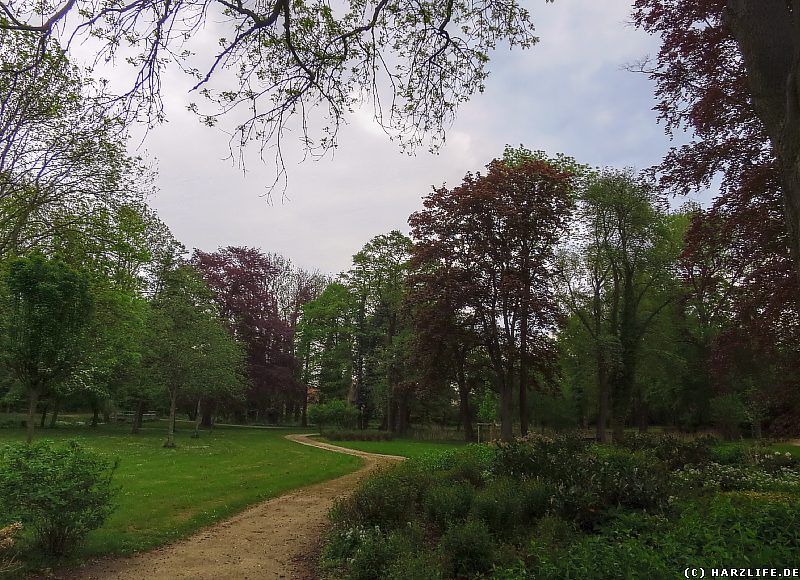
pixel 269 540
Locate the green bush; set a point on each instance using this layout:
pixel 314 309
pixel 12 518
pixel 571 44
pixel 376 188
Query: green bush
pixel 505 505
pixel 357 435
pixel 60 492
pixel 672 451
pixel 468 548
pixel 472 463
pixel 423 565
pixel 730 454
pixel 335 413
pixel 387 498
pixel 446 502
pixel 554 458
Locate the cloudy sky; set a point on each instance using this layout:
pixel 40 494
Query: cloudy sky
pixel 567 94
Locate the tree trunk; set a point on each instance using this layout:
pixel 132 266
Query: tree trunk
pixel 641 414
pixel 138 417
pixel 43 419
pixel 54 415
pixel 198 417
pixel 768 35
pixel 506 409
pixel 208 415
pixel 173 403
pixel 33 399
pixel 95 416
pixel 464 407
pixel 603 396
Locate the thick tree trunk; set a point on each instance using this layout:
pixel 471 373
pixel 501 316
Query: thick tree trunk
pixel 95 416
pixel 33 399
pixel 768 35
pixel 603 389
pixel 208 415
pixel 173 403
pixel 54 414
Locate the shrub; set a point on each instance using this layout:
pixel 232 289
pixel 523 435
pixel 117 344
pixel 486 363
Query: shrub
pixel 60 492
pixel 730 454
pixel 421 566
pixel 447 502
pixel 472 463
pixel 468 548
pixel 669 449
pixel 335 413
pixel 555 458
pixel 357 435
pixel 554 532
pixel 505 504
pixel 387 498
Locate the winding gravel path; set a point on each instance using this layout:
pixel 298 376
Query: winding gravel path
pixel 273 539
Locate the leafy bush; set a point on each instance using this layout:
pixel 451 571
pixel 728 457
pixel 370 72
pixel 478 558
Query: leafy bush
pixel 335 413
pixel 386 499
pixel 447 501
pixel 506 505
pixel 669 449
pixel 472 463
pixel 357 435
pixel 729 454
pixel 554 458
pixel 60 492
pixel 468 548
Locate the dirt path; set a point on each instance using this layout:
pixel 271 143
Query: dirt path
pixel 269 540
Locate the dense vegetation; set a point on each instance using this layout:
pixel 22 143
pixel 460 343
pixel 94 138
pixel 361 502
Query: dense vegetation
pixel 562 508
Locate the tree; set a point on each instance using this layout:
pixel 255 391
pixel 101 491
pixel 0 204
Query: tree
pixel 63 163
pixel 243 281
pixel 48 308
pixel 618 280
pixel 497 232
pixel 190 350
pixel 377 280
pixel 730 71
pixel 287 57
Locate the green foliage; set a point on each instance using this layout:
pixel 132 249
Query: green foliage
pixel 674 452
pixel 728 413
pixel 61 492
pixel 336 413
pixel 386 499
pixel 447 501
pixel 349 434
pixel 468 548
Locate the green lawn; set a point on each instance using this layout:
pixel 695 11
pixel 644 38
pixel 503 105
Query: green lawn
pixel 168 493
pixel 404 447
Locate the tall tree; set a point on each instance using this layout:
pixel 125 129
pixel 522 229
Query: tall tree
pixel 48 308
pixel 499 232
pixel 729 70
pixel 243 281
pixel 617 280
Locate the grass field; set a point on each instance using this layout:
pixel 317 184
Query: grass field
pixel 168 493
pixel 403 447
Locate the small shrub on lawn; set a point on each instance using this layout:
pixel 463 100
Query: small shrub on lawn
pixel 60 492
pixel 468 548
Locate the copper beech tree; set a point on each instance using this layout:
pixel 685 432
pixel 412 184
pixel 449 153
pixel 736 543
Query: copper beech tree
pixel 730 72
pixel 494 237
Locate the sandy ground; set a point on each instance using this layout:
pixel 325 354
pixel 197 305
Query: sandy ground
pixel 275 539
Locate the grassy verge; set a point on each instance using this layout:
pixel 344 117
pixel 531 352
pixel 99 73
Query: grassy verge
pixel 404 447
pixel 168 493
